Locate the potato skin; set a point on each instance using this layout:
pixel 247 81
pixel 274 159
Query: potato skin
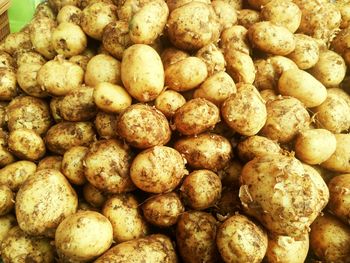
pixel 168 102
pixel 8 89
pixel 26 78
pixel 7 200
pixel 248 17
pixel 236 38
pixel 93 196
pixel 69 14
pixel 50 162
pixel 306 52
pixel 240 66
pixel 72 164
pixel 105 124
pixel 212 56
pixel 7 222
pixel 339 204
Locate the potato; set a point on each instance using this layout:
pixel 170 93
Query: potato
pixel 330 239
pixel 168 102
pixel 205 151
pixel 340 44
pixel 201 189
pixel 271 38
pixel 15 174
pixel 7 200
pixel 3 117
pixel 226 13
pixel 236 38
pixel 83 236
pixel 277 191
pixel 58 77
pixel 193 25
pixel 72 164
pixel 6 60
pixel 126 218
pixel 6 157
pixel 159 169
pixel 17 41
pixel 93 196
pixel 286 116
pixel 163 210
pixel 55 105
pixel 106 166
pixel 105 124
pixel 8 89
pixel 245 111
pixel 186 74
pixel 50 162
pixel 80 60
pixel 70 14
pixel 44 9
pixel 17 246
pixel 248 17
pixel 29 113
pixel 173 4
pixel 6 223
pixel 217 88
pixel 28 57
pixel 43 201
pixel 68 39
pixel 172 55
pixel 230 174
pixel 142 78
pixel 102 68
pixel 229 203
pixel 64 135
pixel 212 57
pixel 26 78
pixel 315 146
pixel 344 9
pixel 195 237
pixel 256 146
pixel 143 126
pixel 154 248
pixel 239 239
pixel 58 4
pixel 95 17
pixel 240 66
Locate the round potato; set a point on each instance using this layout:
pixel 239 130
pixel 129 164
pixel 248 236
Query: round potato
pixel 28 57
pixel 7 222
pixel 236 38
pixel 69 14
pixel 17 41
pixel 339 203
pixel 50 162
pixel 45 9
pixel 172 55
pixel 80 60
pixel 8 88
pixel 212 56
pixel 105 124
pixel 72 164
pixel 248 17
pixel 240 66
pixel 26 78
pixel 93 196
pixel 225 12
pixel 7 200
pixel 15 174
pixel 168 102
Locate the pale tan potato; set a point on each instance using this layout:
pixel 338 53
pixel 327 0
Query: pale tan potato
pixel 193 25
pixel 106 166
pixel 235 37
pixel 123 211
pixel 271 38
pixel 80 60
pixel 7 200
pixel 315 146
pixel 56 5
pixel 240 66
pixel 6 60
pixel 26 78
pixel 226 13
pixel 245 111
pixel 186 74
pixel 73 164
pixel 286 116
pixel 85 3
pixel 28 57
pixel 241 240
pixel 212 56
pixel 159 169
pixel 205 151
pixel 340 44
pixel 344 9
pixel 55 108
pixel 201 189
pixel 195 237
pixel 143 126
pixel 43 201
pixel 7 222
pixel 339 203
pixel 50 162
pixel 155 248
pixel 168 102
pixel 93 196
pixel 15 174
pixel 330 239
pixel 95 17
pixel 17 41
pixel 341 92
pixel 8 88
pixel 44 9
pixel 83 236
pixel 6 157
pixel 162 210
pixel 64 135
pixel 29 113
pixel 268 94
pixel 172 55
pixel 70 14
pixel 248 17
pixel 105 124
pixel 18 246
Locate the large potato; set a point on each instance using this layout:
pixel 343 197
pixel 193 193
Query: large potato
pixel 339 202
pixel 15 174
pixel 240 66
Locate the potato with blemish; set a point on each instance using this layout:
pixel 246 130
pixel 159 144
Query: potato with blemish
pixel 6 60
pixel 80 60
pixel 17 41
pixel 240 66
pixel 73 164
pixel 339 203
pixel 15 174
pixel 45 9
pixel 8 88
pixel 22 57
pixel 248 17
pixel 168 102
pixel 69 14
pixel 212 56
pixel 50 162
pixel 26 78
pixel 105 124
pixel 236 38
pixel 93 196
pixel 7 198
pixel 6 157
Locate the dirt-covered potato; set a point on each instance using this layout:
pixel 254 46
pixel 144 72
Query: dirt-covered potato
pixel 29 113
pixel 142 72
pixel 17 41
pixel 330 239
pixel 339 203
pixel 72 164
pixel 6 60
pixel 45 9
pixel 245 111
pixel 64 135
pixel 154 248
pixel 93 196
pixel 17 246
pixel 168 102
pixel 123 211
pixel 95 17
pixel 107 164
pixel 43 201
pixel 212 56
pixel 236 38
pixel 26 78
pixel 80 60
pixel 230 174
pixel 6 200
pixel 159 169
pixel 6 157
pixel 195 237
pixel 8 88
pixel 6 223
pixel 240 66
pixel 193 25
pixel 248 17
pixel 56 5
pixel 173 4
pixel 225 12
pixel 172 55
pixel 3 117
pixel 241 240
pixel 205 151
pixel 143 126
pixel 105 124
pixel 201 189
pixel 14 175
pixel 55 108
pixel 28 57
pixel 83 236
pixel 50 162
pixel 69 14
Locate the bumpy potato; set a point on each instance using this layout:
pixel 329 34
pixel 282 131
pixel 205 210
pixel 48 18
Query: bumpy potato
pixel 212 56
pixel 338 202
pixel 69 14
pixel 8 89
pixel 72 164
pixel 168 102
pixel 240 66
pixel 50 162
pixel 93 196
pixel 26 78
pixel 14 175
pixel 172 55
pixel 7 200
pixel 306 52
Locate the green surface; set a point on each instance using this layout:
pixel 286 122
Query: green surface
pixel 21 12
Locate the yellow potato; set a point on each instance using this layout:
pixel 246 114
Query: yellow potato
pixel 70 14
pixel 226 13
pixel 93 196
pixel 236 38
pixel 105 124
pixel 8 89
pixel 171 55
pixel 17 41
pixel 240 66
pixel 6 223
pixel 7 201
pixel 73 164
pixel 339 203
pixel 212 56
pixel 15 174
pixel 168 102
pixel 50 162
pixel 248 17
pixel 26 78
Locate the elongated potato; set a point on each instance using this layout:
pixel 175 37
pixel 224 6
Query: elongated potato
pixel 14 175
pixel 306 52
pixel 240 66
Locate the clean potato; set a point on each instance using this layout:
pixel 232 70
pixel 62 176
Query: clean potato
pixel 15 174
pixel 72 165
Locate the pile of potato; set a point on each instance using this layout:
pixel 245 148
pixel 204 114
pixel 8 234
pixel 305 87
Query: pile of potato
pixel 176 131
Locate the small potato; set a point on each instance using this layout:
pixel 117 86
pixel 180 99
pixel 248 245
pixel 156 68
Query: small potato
pixel 330 239
pixel 201 189
pixel 43 201
pixel 168 102
pixel 6 157
pixel 156 248
pixel 26 78
pixel 102 68
pixel 83 236
pixel 56 5
pixel 241 240
pixel 143 126
pixel 271 38
pixel 126 218
pixel 162 210
pixel 80 60
pixel 17 41
pixel 50 162
pixel 196 116
pixel 72 164
pixel 339 203
pixel 105 124
pixel 26 144
pixel 226 13
pixel 212 57
pixel 205 151
pixel 17 246
pixel 186 74
pixel 172 55
pixel 195 237
pixel 8 89
pixel 7 222
pixel 69 14
pixel 235 37
pixel 306 52
pixel 64 135
pixel 217 88
pixel 159 169
pixel 111 98
pixel 28 57
pixel 245 111
pixel 106 166
pixel 7 201
pixel 93 196
pixel 6 60
pixel 248 17
pixel 344 9
pixel 240 66
pixel 14 175
pixel 315 146
pixel 142 72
